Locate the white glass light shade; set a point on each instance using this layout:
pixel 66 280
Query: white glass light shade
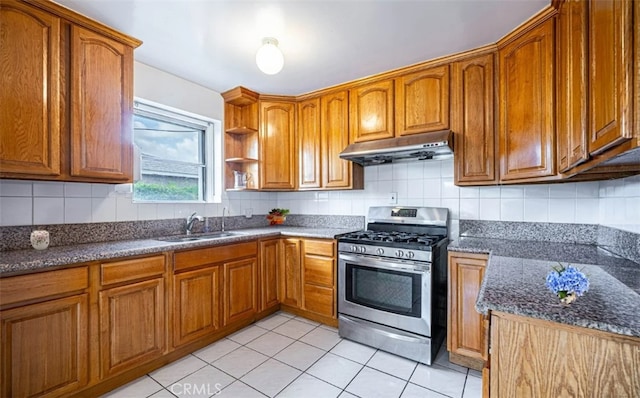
pixel 269 57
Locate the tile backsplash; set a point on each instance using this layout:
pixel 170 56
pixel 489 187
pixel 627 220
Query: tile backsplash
pixel 614 203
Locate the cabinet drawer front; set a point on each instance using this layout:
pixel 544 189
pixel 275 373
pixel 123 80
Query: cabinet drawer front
pixel 212 255
pixel 319 271
pixel 44 284
pixel 128 270
pixel 320 247
pixel 319 300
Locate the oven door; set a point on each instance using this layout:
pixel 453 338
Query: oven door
pixel 389 292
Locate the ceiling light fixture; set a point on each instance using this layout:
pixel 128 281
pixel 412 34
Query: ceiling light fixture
pixel 269 57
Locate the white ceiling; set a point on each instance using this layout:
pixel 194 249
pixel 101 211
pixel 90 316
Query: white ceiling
pixel 213 42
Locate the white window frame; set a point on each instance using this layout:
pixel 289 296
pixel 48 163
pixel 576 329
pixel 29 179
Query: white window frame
pixel 212 148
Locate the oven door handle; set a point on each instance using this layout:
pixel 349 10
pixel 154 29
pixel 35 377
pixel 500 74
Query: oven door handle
pixel 388 265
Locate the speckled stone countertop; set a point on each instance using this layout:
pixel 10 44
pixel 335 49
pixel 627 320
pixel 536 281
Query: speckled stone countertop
pixel 514 283
pixel 25 261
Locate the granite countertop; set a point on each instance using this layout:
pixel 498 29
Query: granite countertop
pixel 17 262
pixel 514 283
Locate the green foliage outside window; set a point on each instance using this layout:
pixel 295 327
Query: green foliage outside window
pixel 167 191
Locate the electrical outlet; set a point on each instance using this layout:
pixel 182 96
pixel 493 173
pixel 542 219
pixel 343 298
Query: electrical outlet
pixel 393 198
pixel 248 213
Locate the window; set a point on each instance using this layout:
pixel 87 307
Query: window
pixel 176 154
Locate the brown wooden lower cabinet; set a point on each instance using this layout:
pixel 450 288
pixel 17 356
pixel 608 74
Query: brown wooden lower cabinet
pixel 466 330
pixel 196 302
pixel 90 328
pixel 44 337
pixel 132 325
pixel 132 316
pixel 537 358
pixel 240 290
pixel 319 277
pixel 290 285
pixel 268 275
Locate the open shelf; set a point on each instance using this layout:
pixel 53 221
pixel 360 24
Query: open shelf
pixel 240 160
pixel 241 146
pixel 241 130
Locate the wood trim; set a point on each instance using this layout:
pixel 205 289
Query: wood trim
pixel 392 74
pixel 85 21
pixel 531 23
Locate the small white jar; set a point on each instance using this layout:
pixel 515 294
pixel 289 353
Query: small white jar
pixel 40 239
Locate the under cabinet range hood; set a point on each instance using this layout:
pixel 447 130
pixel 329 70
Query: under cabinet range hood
pixel 424 146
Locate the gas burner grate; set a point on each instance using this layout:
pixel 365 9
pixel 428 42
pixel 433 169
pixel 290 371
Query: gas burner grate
pixel 391 236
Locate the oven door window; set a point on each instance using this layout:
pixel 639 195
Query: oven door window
pixel 390 291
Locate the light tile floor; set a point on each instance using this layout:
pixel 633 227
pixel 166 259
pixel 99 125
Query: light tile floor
pixel 288 356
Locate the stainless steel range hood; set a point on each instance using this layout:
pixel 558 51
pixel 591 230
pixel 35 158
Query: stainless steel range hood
pixel 435 145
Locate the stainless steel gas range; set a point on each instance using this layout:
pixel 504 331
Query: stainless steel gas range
pixel 392 281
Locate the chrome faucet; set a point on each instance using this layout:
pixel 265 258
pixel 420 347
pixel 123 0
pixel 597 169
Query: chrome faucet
pixel 224 209
pixel 191 220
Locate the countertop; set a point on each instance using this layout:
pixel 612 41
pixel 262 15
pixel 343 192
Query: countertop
pixel 514 283
pixel 17 262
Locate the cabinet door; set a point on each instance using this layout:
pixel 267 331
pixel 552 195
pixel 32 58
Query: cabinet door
pixel 277 145
pixel 422 101
pixel 101 97
pixel 472 109
pixel 45 348
pixel 572 84
pixel 132 325
pixel 527 108
pixel 371 112
pixel 240 290
pixel 465 329
pixel 290 282
pixel 610 73
pixel 269 257
pixel 30 95
pixel 196 304
pixel 309 144
pixel 336 172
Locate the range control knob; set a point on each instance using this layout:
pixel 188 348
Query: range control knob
pixel 354 249
pixel 410 254
pixel 399 253
pixel 363 249
pixel 380 251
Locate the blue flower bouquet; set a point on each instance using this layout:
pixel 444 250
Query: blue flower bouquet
pixel 567 283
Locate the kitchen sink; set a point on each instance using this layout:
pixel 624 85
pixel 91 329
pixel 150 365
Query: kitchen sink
pixel 195 238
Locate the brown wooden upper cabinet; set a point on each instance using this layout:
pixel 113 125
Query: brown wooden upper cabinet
pixel 472 120
pixel 53 131
pixel 309 144
pixel 371 110
pixel 278 168
pixel 30 136
pixel 422 101
pixel 102 95
pixel 337 173
pixel 526 103
pixel 323 132
pixel 572 84
pixel 610 73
